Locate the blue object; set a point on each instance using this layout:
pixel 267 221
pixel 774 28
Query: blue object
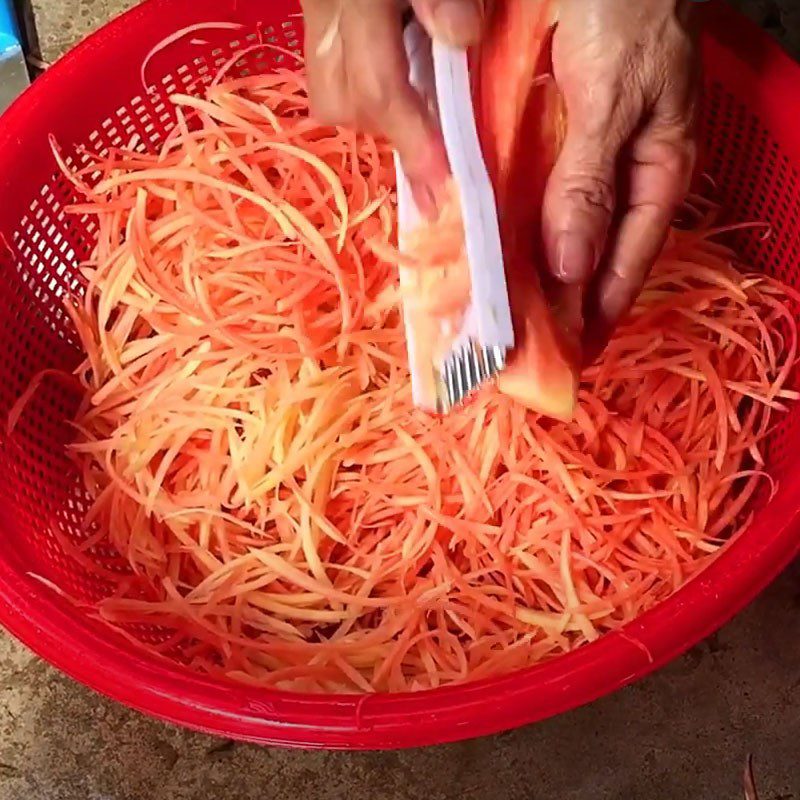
pixel 13 71
pixel 9 35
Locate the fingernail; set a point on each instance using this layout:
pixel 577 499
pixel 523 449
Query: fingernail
pixel 458 22
pixel 575 258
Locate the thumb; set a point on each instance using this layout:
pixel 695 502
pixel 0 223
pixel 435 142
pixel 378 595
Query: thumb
pixel 455 22
pixel 579 200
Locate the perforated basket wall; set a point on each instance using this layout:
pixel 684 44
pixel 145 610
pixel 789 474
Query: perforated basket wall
pixel 46 499
pixel 94 99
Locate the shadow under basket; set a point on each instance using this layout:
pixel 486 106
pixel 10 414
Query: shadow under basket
pixel 94 97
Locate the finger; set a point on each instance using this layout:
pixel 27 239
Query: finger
pixel 578 207
pixel 385 102
pixel 566 304
pixel 580 195
pixel 358 76
pixel 659 180
pixel 324 55
pixel 456 22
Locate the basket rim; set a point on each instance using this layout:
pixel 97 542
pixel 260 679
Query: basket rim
pixel 37 616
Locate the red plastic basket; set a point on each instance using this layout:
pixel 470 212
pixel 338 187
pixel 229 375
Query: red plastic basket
pixel 94 97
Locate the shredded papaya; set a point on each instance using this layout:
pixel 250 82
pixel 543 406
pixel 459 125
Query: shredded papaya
pixel 283 515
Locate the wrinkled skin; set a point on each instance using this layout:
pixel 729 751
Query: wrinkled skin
pixel 627 73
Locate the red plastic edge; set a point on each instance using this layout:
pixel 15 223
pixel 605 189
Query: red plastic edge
pixel 747 565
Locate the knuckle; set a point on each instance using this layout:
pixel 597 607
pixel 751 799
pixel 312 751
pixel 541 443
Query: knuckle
pixel 596 103
pixel 679 159
pixel 371 96
pixel 589 190
pixel 328 111
pixel 606 112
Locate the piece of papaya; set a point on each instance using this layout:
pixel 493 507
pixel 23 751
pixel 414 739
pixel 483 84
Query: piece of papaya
pixel 522 120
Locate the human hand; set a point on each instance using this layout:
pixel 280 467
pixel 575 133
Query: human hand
pixel 626 72
pixel 358 75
